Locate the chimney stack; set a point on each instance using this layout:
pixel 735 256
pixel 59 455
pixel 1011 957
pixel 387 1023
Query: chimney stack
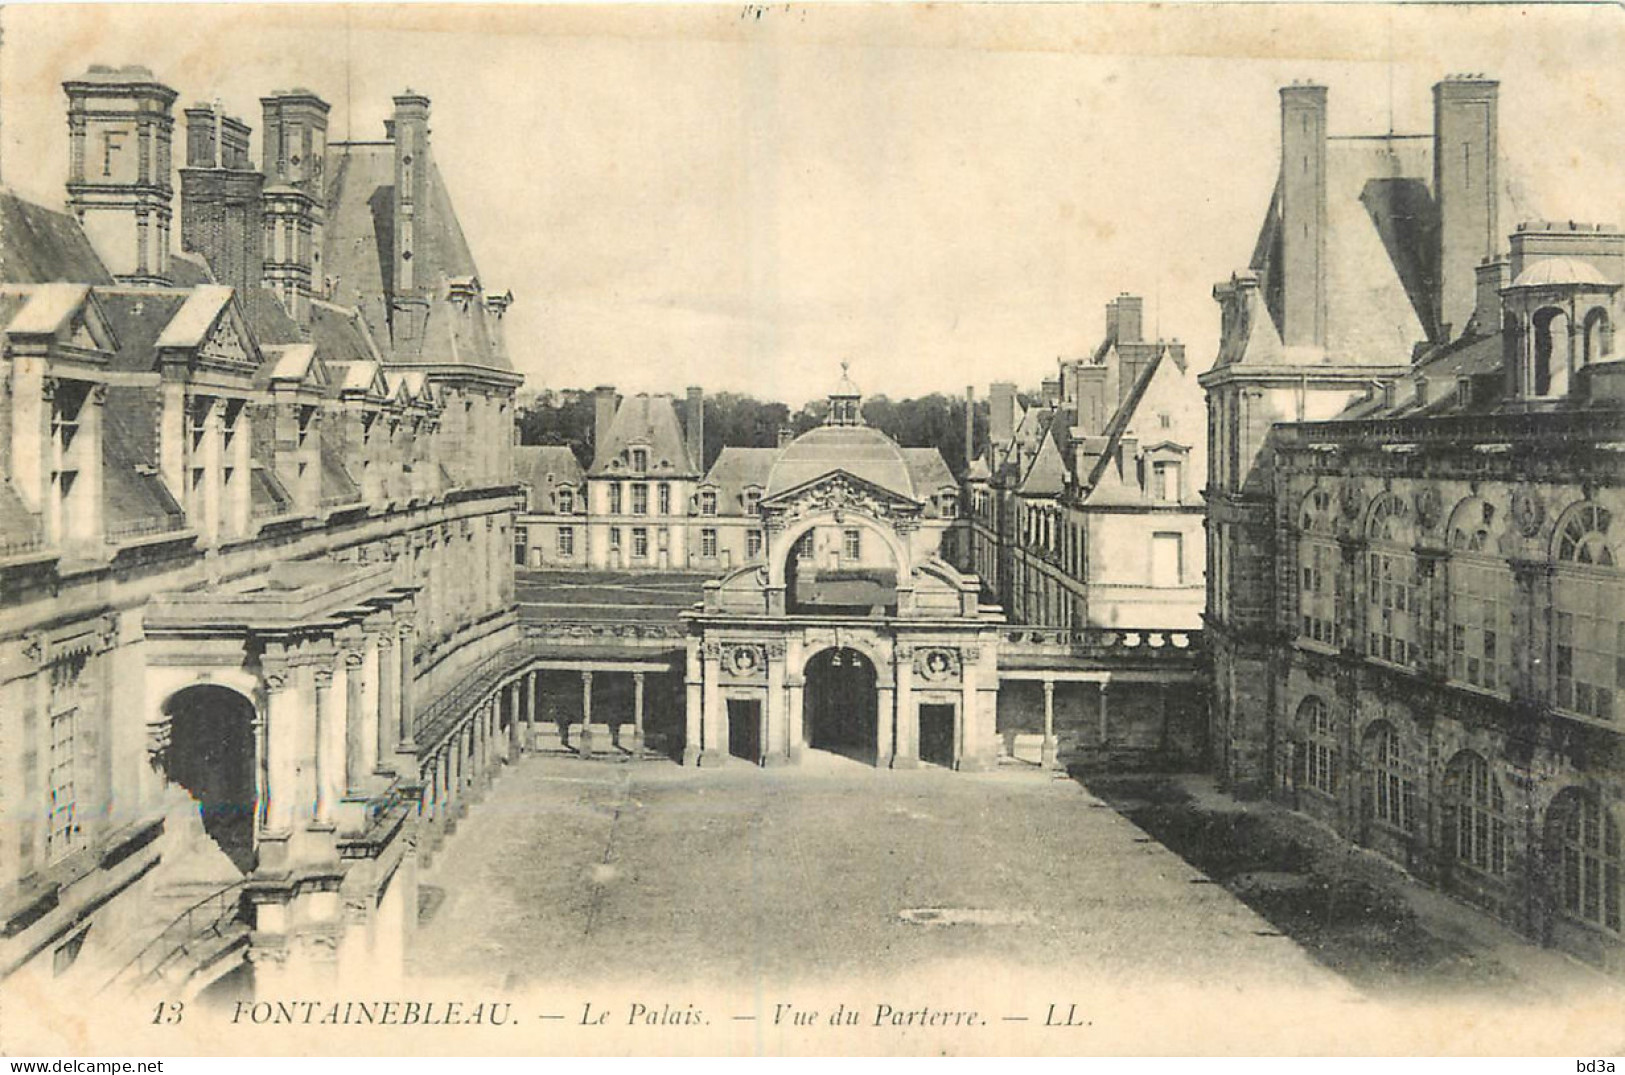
pixel 295 143
pixel 695 429
pixel 1125 317
pixel 1465 185
pixel 1492 276
pixel 603 413
pixel 409 129
pixel 970 426
pixel 221 200
pixel 119 171
pixel 1001 417
pixel 1303 215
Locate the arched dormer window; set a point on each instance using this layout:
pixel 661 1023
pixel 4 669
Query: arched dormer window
pixel 1480 601
pixel 566 497
pixel 1392 628
pixel 1320 595
pixel 1588 597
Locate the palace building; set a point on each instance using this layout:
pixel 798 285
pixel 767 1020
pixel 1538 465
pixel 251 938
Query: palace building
pixel 1415 590
pixel 256 491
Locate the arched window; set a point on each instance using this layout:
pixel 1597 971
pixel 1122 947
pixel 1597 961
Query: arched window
pixel 1480 588
pixel 1475 815
pixel 1320 591
pixel 1393 786
pixel 1588 636
pixel 1598 338
pixel 1320 745
pixel 1551 352
pixel 1391 614
pixel 1587 841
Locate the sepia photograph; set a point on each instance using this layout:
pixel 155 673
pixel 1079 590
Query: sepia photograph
pixel 901 529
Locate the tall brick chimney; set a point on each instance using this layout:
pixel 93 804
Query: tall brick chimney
pixel 1125 316
pixel 295 144
pixel 1001 416
pixel 1303 215
pixel 220 200
pixel 1465 182
pixel 694 429
pixel 409 129
pixel 603 413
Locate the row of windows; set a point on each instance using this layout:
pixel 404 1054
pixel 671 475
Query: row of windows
pixel 1475 824
pixel 565 542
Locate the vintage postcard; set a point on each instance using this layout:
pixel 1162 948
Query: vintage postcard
pixel 836 529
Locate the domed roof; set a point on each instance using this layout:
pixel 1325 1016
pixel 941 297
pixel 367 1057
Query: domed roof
pixel 1562 272
pixel 861 451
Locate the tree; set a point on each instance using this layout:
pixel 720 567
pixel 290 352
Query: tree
pixel 568 421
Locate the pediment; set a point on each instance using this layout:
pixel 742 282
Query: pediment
pixel 225 342
pixel 839 491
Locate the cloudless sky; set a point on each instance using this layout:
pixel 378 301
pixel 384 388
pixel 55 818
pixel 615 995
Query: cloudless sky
pixel 742 197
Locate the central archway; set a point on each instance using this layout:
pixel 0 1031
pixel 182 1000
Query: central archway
pixel 211 755
pixel 839 703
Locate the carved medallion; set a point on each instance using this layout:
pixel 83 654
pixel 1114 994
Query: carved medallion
pixel 937 665
pixel 745 661
pixel 1429 507
pixel 1528 513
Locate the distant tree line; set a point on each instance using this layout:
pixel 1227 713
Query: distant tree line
pixel 735 420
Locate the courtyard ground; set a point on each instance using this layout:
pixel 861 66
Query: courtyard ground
pixel 747 894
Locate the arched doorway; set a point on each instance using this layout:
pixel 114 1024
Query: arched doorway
pixel 839 703
pixel 211 755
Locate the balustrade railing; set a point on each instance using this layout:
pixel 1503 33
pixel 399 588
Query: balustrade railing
pixel 199 924
pixel 1104 640
pixel 169 523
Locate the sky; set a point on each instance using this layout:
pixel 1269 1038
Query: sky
pixel 743 197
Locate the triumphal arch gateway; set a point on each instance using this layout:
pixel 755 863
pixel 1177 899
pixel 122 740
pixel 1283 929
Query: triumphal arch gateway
pixel 852 633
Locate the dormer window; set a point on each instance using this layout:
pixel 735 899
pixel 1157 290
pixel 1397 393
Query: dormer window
pixel 753 499
pixel 566 500
pixel 640 460
pixel 708 501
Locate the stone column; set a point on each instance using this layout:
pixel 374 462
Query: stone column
pixel 1105 689
pixel 885 709
pixel 355 724
pixel 388 717
pixel 281 738
pixel 637 714
pixel 329 773
pixel 1046 756
pixel 693 704
pixel 408 697
pixel 515 701
pixel 907 755
pixel 794 689
pixel 443 774
pixel 527 690
pixel 586 714
pixel 714 748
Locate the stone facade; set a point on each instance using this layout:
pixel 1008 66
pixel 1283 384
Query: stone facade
pixel 253 525
pixel 1414 598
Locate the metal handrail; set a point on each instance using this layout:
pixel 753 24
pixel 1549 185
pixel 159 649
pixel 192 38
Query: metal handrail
pixel 189 933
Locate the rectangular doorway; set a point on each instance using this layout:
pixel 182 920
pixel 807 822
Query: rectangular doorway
pixel 937 734
pixel 745 729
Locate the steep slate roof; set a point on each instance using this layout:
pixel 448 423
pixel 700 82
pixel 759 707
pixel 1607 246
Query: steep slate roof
pixel 138 316
pixel 1381 248
pixel 737 469
pixel 360 252
pixel 1047 475
pixel 544 468
pixel 132 491
pixel 650 421
pixel 38 245
pixel 928 470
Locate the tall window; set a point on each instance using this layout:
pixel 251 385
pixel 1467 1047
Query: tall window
pixel 1320 745
pixel 708 543
pixel 1393 790
pixel 1165 479
pixel 640 498
pixel 521 541
pixel 567 501
pixel 1391 614
pixel 852 544
pixel 1475 814
pixel 1167 559
pixel 62 834
pixel 1319 578
pixel 614 537
pixel 567 542
pixel 640 460
pixel 663 498
pixel 1480 603
pixel 614 498
pixel 1590 848
pixel 640 543
pixel 753 544
pixel 1589 621
pixel 708 501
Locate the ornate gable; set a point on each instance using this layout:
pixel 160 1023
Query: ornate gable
pixel 838 493
pixel 225 344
